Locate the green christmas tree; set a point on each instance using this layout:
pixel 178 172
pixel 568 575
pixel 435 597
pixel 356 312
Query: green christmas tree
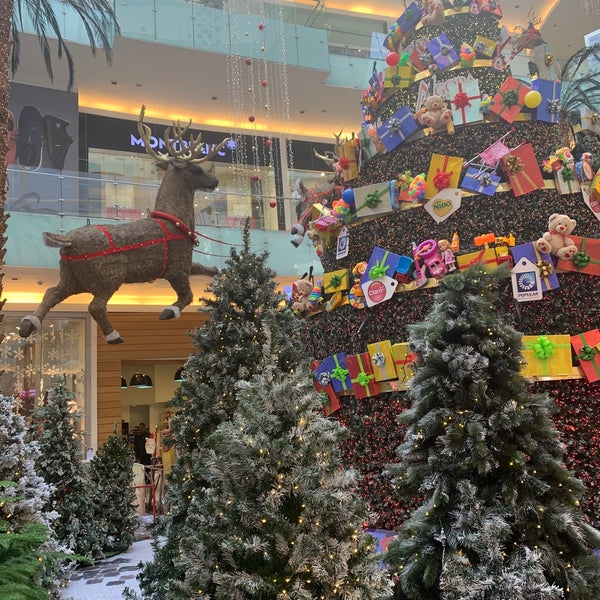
pixel 244 299
pixel 279 517
pixel 500 516
pixel 111 475
pixel 59 463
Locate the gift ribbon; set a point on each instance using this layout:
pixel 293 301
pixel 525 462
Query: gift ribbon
pixel 441 180
pixel 588 356
pixel 394 126
pixel 336 281
pixel 324 379
pixel 567 174
pixel 385 369
pixel 545 348
pixel 509 98
pixel 553 106
pixel 396 79
pixel 325 402
pixel 582 259
pixel 441 53
pixel 546 269
pixel 485 180
pixel 379 269
pixel 339 373
pixel 345 162
pixel 462 101
pixel 363 378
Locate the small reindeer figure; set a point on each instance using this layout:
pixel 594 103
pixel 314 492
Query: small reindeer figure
pixel 98 259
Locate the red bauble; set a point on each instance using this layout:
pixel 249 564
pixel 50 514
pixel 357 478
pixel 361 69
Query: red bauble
pixel 269 143
pixel 265 83
pixel 248 61
pixel 272 204
pixel 261 26
pixel 392 59
pixel 255 178
pixel 251 118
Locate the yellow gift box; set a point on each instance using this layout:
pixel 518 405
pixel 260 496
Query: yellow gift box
pixel 318 210
pixel 398 77
pixel 547 356
pixel 490 257
pixel 336 281
pixel 485 46
pixel 444 172
pixel 382 360
pixel 403 361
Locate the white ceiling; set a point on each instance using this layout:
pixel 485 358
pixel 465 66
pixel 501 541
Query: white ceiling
pixel 178 83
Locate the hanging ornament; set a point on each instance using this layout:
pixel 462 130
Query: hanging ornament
pixel 272 204
pixel 392 59
pixel 251 118
pixel 261 26
pixel 264 83
pixel 533 99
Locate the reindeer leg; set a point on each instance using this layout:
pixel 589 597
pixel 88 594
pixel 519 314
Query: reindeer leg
pixel 66 287
pixel 97 308
pixel 184 297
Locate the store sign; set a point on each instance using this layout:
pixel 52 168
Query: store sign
pixel 160 144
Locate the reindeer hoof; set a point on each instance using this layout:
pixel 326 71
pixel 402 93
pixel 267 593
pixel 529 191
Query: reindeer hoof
pixel 114 337
pixel 170 312
pixel 28 325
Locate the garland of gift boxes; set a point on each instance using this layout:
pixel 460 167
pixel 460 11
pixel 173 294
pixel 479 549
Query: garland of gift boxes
pixel 387 366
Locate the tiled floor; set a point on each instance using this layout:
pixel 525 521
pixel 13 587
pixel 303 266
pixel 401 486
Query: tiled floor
pixel 107 579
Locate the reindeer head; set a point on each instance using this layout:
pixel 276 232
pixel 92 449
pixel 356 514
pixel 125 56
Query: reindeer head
pixel 183 156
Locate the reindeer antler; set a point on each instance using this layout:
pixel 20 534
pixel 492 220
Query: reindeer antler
pixel 190 152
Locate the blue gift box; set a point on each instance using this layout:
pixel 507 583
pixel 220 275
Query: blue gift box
pixel 548 274
pixel 442 51
pixel 409 18
pixel 334 370
pixel 397 128
pixel 384 261
pixel 481 182
pixel 549 107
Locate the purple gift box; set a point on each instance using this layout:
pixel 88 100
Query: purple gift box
pixel 397 128
pixel 384 261
pixel 442 51
pixel 334 370
pixel 549 107
pixel 482 182
pixel 548 274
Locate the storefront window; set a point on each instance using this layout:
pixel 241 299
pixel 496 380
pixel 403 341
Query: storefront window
pixel 31 366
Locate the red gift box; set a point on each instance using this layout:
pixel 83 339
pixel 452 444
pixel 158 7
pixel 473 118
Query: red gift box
pixel 361 375
pixel 331 402
pixel 510 99
pixel 586 349
pixel 490 6
pixel 522 170
pixel 586 259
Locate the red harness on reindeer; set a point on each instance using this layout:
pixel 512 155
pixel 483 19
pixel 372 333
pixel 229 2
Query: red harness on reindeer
pixel 167 237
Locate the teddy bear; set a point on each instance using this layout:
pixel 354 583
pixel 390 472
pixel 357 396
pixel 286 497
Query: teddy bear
pixel 555 240
pixel 306 295
pixel 435 113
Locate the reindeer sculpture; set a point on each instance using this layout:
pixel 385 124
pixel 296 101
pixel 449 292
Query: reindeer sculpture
pixel 98 259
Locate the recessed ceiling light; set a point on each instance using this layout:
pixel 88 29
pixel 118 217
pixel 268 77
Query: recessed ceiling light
pixel 214 97
pixel 302 112
pixel 138 85
pixel 114 82
pixel 323 110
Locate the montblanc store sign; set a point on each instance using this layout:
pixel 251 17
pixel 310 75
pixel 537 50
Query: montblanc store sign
pixel 160 145
pixel 107 133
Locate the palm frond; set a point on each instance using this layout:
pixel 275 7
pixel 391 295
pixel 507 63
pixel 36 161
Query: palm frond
pixel 580 84
pixel 97 17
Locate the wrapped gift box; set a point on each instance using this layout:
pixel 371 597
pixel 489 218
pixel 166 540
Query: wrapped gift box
pixel 330 400
pixel 484 46
pixel 443 53
pixel 587 258
pixel 334 370
pixel 374 199
pixel 522 170
pixel 444 172
pixel 566 182
pixel 590 120
pixel 421 57
pixel 510 99
pixel 465 101
pixel 404 269
pixel 586 350
pixel 348 162
pixel 409 18
pixel 362 376
pixel 403 361
pixel 489 6
pixel 382 360
pixel 542 260
pixel 368 147
pixel 336 281
pixel 491 257
pixel 481 182
pixel 397 128
pixel 546 356
pixel 549 108
pixel 379 264
pixel 397 77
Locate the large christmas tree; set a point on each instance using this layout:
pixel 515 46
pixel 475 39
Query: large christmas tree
pixel 278 517
pixel 500 515
pixel 230 349
pixel 492 158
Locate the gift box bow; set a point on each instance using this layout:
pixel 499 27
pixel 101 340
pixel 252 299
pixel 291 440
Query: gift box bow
pixel 582 259
pixel 514 164
pixel 379 269
pixel 588 352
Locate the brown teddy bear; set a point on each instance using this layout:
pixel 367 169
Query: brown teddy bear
pixel 555 240
pixel 435 114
